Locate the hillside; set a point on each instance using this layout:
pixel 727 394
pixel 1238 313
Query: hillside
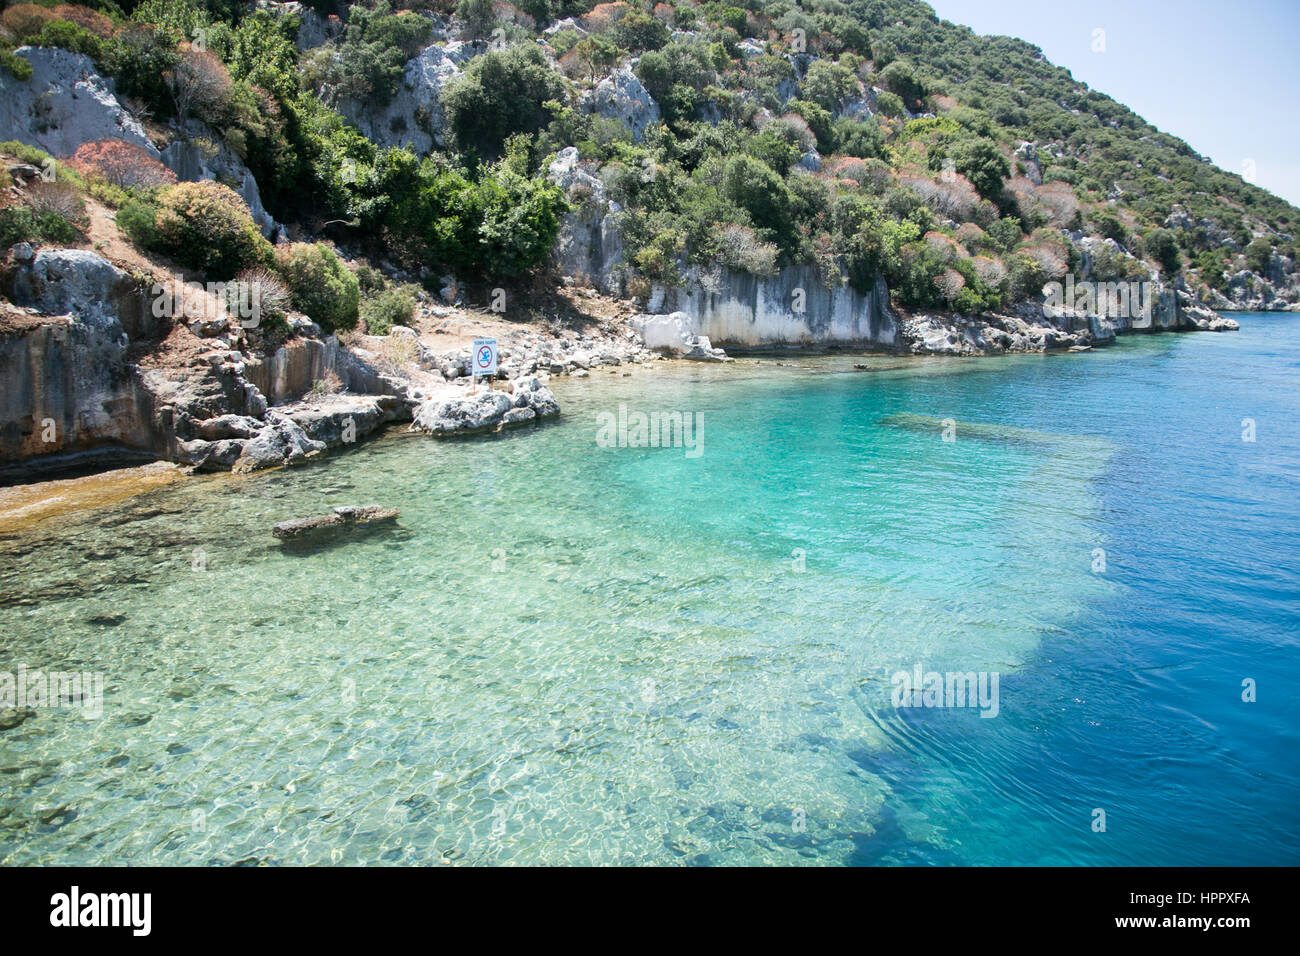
pixel 868 139
pixel 360 190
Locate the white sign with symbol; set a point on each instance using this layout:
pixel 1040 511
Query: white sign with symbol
pixel 484 361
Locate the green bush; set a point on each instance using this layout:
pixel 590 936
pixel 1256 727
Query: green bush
pixel 1258 254
pixel 17 224
pixel 137 220
pixel 478 16
pixel 54 228
pixel 898 78
pixel 321 285
pixel 20 68
pixel 24 224
pixel 1162 246
pixel 637 32
pixel 393 306
pixel 862 139
pixel 979 160
pixel 206 226
pixel 499 95
pixel 69 36
pixel 1004 232
pixel 511 221
pixel 1108 226
pixel 1025 277
pixel 890 104
pixel 1210 265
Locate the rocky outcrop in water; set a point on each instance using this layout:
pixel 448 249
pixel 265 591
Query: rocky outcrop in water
pixel 86 364
pixel 67 384
pixel 527 400
pixel 341 517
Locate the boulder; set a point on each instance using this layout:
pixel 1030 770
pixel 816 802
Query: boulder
pixel 669 333
pixel 621 96
pixel 65 103
pixel 76 281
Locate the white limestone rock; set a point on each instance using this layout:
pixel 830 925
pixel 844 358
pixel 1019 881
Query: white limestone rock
pixel 65 103
pixel 621 96
pixel 414 116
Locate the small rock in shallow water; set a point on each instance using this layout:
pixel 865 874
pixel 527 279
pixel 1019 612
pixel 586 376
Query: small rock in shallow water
pixel 342 516
pixel 14 716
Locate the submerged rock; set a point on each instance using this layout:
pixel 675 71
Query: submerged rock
pixel 342 516
pixel 14 716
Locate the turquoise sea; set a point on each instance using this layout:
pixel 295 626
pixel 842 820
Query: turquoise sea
pixel 569 653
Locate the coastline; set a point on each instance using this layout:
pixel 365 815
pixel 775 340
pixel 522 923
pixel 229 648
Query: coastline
pixel 25 505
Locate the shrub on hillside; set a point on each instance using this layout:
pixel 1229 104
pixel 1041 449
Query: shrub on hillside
pixel 57 199
pixel 206 225
pixel 24 224
pixel 85 17
pixel 889 104
pixel 739 249
pixel 501 94
pixel 1162 246
pixel 138 221
pixel 121 164
pixel 1258 254
pixel 393 306
pixel 320 284
pixel 25 20
pixel 199 82
pixel 264 290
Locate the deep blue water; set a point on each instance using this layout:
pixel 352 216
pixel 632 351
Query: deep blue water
pixel 1136 707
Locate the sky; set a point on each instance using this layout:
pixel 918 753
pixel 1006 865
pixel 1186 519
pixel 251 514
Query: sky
pixel 1223 76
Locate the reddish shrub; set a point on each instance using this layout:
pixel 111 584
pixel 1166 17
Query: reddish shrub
pixel 26 19
pixel 92 20
pixel 121 164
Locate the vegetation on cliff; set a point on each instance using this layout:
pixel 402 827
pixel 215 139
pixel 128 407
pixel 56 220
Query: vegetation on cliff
pixel 866 137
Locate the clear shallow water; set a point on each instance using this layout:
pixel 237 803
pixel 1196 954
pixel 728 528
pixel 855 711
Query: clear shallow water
pixel 574 654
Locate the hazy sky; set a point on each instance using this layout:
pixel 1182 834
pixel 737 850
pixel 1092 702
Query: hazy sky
pixel 1224 76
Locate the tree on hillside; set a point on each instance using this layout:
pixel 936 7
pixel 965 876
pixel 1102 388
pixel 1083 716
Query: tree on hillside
pixel 1258 254
pixel 1162 246
pixel 199 81
pixel 121 164
pixel 979 160
pixel 499 95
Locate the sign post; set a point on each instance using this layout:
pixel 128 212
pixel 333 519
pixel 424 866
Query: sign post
pixel 483 361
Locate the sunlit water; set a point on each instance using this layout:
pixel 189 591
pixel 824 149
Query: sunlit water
pixel 573 654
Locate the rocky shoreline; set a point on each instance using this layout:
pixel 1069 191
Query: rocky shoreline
pixel 213 396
